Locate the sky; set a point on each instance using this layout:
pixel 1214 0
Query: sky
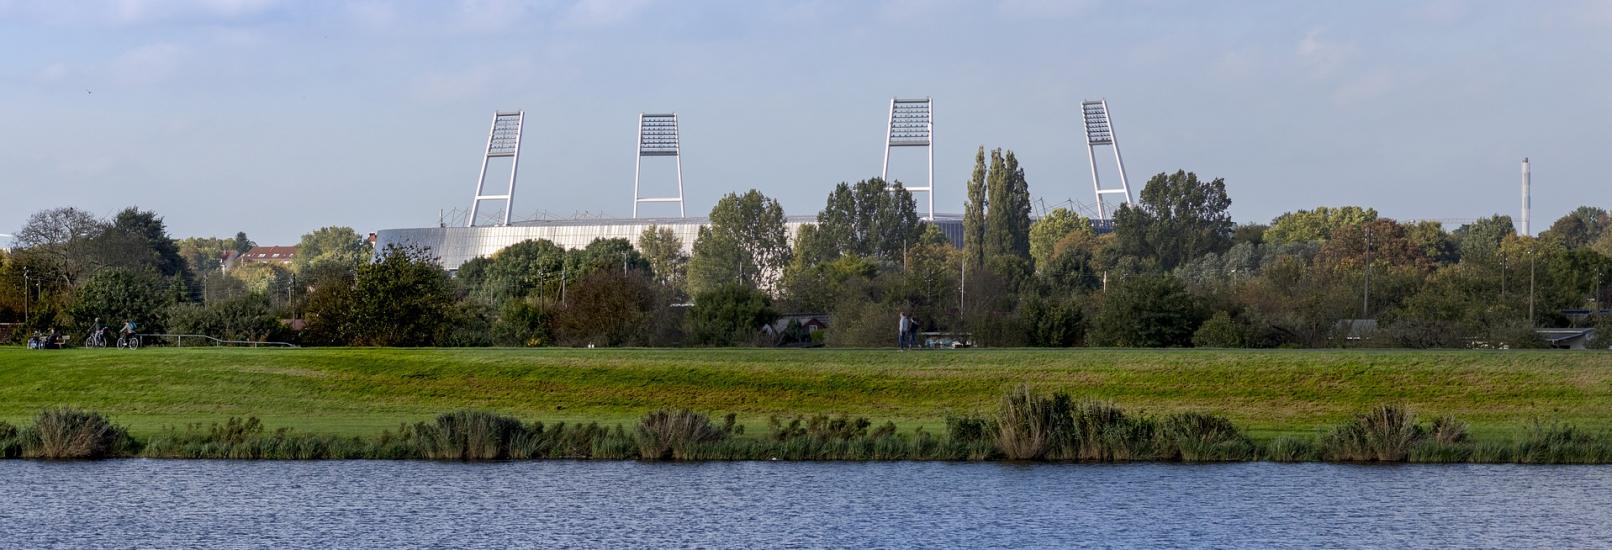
pixel 276 117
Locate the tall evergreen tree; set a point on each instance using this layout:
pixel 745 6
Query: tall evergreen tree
pixel 974 214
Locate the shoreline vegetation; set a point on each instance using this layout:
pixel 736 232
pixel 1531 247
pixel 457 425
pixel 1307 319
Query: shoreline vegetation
pixel 1027 426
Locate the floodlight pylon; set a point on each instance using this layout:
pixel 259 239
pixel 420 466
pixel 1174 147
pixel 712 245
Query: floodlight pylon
pixel 658 137
pixel 503 140
pixel 1100 131
pixel 912 124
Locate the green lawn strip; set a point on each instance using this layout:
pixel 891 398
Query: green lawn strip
pixel 363 391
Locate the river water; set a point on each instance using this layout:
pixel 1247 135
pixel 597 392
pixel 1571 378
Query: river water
pixel 221 504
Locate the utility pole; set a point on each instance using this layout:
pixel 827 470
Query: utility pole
pixel 26 312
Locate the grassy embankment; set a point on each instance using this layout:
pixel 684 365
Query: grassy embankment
pixel 364 391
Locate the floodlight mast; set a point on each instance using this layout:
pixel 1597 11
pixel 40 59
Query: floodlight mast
pixel 658 137
pixel 503 140
pixel 1100 131
pixel 912 124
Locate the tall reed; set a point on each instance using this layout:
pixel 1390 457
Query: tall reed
pixel 1030 426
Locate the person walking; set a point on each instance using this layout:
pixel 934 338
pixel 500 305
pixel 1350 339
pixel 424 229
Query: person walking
pixel 903 338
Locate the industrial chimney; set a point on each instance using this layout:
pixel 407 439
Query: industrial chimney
pixel 1527 206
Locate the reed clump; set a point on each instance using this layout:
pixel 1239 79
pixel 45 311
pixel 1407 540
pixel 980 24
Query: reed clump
pixel 1559 443
pixel 246 439
pixel 10 442
pixel 674 434
pixel 1200 437
pixel 1386 433
pixel 72 433
pixel 1030 426
pixel 467 435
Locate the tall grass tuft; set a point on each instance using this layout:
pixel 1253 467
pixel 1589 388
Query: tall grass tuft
pixel 675 434
pixel 10 441
pixel 1292 449
pixel 1031 426
pixel 73 433
pixel 1101 431
pixel 1199 437
pixel 467 435
pixel 1559 443
pixel 1386 433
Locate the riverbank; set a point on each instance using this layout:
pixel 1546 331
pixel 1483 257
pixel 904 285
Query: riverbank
pixel 361 392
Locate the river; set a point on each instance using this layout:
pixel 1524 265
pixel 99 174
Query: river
pixel 168 504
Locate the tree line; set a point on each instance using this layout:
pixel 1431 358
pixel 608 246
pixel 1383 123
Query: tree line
pixel 1174 271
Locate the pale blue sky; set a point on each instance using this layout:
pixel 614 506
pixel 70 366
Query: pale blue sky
pixel 278 117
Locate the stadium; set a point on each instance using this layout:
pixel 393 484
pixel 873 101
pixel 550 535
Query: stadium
pixel 910 125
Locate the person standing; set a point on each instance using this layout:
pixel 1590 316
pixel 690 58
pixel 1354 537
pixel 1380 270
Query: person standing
pixel 903 339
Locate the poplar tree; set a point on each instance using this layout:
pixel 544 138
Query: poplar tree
pixel 974 214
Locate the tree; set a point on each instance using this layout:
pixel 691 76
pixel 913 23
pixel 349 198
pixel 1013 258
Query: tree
pixel 527 268
pixel 729 314
pixel 147 229
pixel 1051 228
pixel 974 214
pixel 605 255
pixel 1219 331
pixel 1315 225
pixel 1149 311
pixel 58 240
pixel 1480 240
pixel 330 250
pixel 241 243
pixel 1179 218
pixel 1579 228
pixel 745 243
pixel 665 254
pixel 115 295
pixel 870 219
pixel 403 299
pixel 1007 218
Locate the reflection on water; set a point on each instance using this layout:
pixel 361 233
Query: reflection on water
pixel 150 503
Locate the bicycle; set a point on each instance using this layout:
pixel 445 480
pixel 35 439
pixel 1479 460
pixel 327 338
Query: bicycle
pixel 97 339
pixel 130 341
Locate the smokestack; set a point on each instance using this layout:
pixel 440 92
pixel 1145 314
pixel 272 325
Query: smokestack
pixel 1527 206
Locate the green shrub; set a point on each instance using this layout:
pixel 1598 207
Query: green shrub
pixel 1198 437
pixel 1386 433
pixel 73 433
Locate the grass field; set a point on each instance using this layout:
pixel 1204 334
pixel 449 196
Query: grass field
pixel 363 391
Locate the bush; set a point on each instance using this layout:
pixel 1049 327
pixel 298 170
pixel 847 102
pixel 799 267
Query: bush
pixel 1149 311
pixel 729 314
pixel 1386 433
pixel 468 435
pixel 1220 331
pixel 73 433
pixel 674 434
pixel 1197 437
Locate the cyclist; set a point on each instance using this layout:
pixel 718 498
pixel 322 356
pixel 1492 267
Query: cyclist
pixel 127 337
pixel 97 334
